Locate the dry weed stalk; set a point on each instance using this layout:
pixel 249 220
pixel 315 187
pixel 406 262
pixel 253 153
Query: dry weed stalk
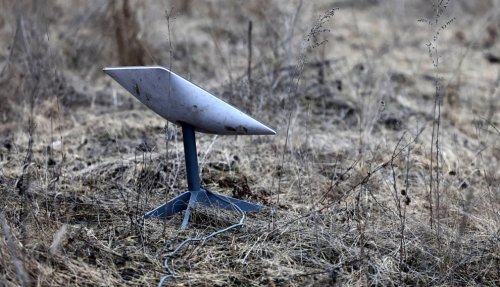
pixel 439 8
pixel 22 276
pixel 310 42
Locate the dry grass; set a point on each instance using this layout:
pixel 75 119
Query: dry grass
pixel 348 174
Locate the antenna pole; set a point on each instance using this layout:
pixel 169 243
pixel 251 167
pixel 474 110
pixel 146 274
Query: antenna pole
pixel 195 194
pixel 191 157
pixel 192 175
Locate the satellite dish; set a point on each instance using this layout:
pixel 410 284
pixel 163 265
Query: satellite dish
pixel 194 109
pixel 180 101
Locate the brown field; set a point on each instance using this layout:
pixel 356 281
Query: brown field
pixel 385 169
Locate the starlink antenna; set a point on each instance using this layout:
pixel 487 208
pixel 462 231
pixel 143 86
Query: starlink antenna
pixel 194 109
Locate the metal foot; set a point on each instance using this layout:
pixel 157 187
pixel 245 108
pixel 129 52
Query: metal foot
pixel 202 197
pixel 226 202
pixel 173 206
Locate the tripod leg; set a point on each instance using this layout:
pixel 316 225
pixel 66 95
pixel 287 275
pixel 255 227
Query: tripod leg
pixel 203 197
pixel 195 196
pixel 170 208
pixel 226 202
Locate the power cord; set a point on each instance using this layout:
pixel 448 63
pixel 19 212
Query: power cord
pixel 170 272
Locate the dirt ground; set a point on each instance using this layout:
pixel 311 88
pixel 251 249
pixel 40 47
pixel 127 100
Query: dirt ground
pixel 384 170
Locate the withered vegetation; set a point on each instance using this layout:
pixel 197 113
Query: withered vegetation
pixel 385 169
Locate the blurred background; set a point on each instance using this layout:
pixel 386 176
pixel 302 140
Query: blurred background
pixel 386 158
